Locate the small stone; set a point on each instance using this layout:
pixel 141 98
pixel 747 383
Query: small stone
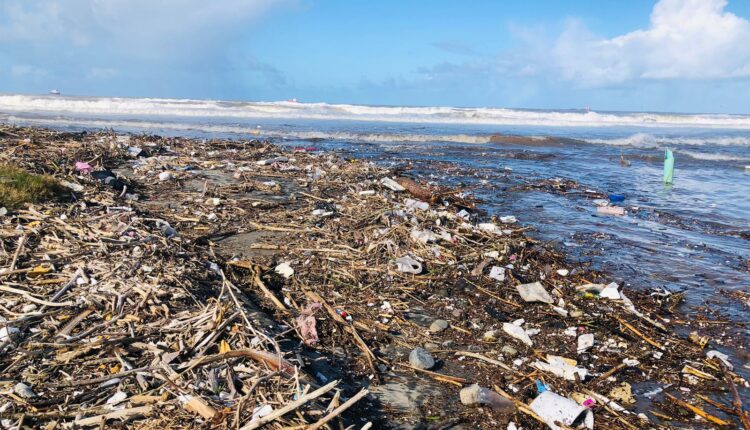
pixel 509 351
pixel 457 313
pixel 576 313
pixel 23 390
pixel 443 292
pixel 421 359
pixel 438 325
pixel 431 346
pixel 450 344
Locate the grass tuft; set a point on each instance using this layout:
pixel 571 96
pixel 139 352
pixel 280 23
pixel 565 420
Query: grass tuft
pixel 18 187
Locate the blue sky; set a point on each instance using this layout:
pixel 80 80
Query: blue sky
pixel 667 55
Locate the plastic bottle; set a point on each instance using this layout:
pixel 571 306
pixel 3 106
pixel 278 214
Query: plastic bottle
pixel 474 394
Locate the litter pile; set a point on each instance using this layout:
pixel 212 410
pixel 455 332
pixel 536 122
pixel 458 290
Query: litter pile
pixel 189 283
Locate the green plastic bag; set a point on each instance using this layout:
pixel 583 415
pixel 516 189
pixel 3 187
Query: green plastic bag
pixel 668 166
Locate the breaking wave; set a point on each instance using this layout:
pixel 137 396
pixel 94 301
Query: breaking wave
pixel 153 107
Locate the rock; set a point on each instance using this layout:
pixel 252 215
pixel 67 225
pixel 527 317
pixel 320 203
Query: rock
pixel 457 313
pixel 449 344
pixel 576 313
pixel 421 359
pixel 509 351
pixel 443 292
pixel 438 325
pixel 469 395
pixel 23 390
pixel 534 292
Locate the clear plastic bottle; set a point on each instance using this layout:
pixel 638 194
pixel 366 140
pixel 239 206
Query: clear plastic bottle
pixel 474 394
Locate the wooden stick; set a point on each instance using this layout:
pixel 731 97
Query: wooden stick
pixel 487 359
pixel 737 401
pixel 290 407
pixel 259 283
pixel 641 335
pixel 697 411
pixel 122 414
pixel 336 412
pixel 31 298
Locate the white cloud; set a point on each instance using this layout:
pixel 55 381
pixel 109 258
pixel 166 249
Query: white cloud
pixel 27 71
pixel 686 39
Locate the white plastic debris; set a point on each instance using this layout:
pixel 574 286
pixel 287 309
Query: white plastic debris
pixel 517 332
pixel 392 185
pixel 322 213
pixel 260 412
pixel 563 272
pixel 463 213
pixel 424 236
pixel 490 227
pixel 610 210
pixel 165 176
pixel 585 342
pixel 116 398
pixel 554 408
pixel 272 160
pixel 407 264
pixel 558 366
pixel 367 193
pixel 285 270
pixel 416 204
pixel 497 273
pixel 534 292
pixel 610 292
pixel 510 219
pixel 721 356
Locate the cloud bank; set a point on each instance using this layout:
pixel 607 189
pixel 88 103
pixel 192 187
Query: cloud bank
pixel 686 39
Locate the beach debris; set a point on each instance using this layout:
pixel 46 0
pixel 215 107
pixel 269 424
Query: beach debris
pixel 610 292
pixel 165 176
pixel 563 272
pixel 438 326
pixel 517 332
pixel 561 367
pixel 534 292
pixel 616 198
pixel 285 270
pixel 585 342
pixel 553 408
pixel 83 167
pixel 421 359
pixel 392 185
pixel 24 391
pixel 668 166
pixel 408 264
pixel 724 358
pixel 622 393
pixel 424 236
pixel 497 273
pixel 509 219
pixel 416 204
pixel 610 210
pixel 307 324
pixel 490 227
pixel 7 332
pixel 697 339
pixel 274 160
pixel 476 395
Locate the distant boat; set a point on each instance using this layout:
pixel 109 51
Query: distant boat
pixel 55 92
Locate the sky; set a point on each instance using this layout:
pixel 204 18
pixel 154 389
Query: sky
pixel 637 55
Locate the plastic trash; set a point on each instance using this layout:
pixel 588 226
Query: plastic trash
pixel 392 185
pixel 610 292
pixel 7 332
pixel 424 236
pixel 281 159
pixel 554 408
pixel 407 264
pixel 476 395
pixel 490 227
pixel 510 219
pixel 610 210
pixel 616 198
pixel 563 272
pixel 668 166
pixel 517 332
pixel 165 176
pixel 720 356
pixel 585 342
pixel 497 273
pixel 623 393
pixel 83 167
pixel 23 390
pixel 534 292
pixel 561 367
pixel 367 193
pixel 285 270
pixel 416 204
pixel 306 324
pixel 167 230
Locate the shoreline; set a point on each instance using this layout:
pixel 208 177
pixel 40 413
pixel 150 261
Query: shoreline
pixel 282 252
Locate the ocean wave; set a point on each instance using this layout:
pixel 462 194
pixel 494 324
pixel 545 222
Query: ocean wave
pixel 154 107
pixel 646 140
pixel 713 156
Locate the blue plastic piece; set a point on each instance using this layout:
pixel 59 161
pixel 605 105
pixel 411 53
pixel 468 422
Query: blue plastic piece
pixel 616 198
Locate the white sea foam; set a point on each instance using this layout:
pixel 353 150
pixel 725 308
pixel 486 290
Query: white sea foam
pixel 151 107
pixel 646 140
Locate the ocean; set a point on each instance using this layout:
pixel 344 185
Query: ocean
pixel 692 236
